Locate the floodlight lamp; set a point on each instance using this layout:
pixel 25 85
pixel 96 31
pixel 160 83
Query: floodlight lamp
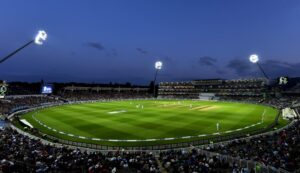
pixel 158 65
pixel 254 58
pixel 40 37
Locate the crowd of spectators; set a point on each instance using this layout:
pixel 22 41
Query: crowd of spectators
pixel 226 88
pixel 19 153
pixel 283 102
pixel 17 103
pixel 183 161
pixel 280 150
pixel 14 103
pixel 242 99
pixel 85 96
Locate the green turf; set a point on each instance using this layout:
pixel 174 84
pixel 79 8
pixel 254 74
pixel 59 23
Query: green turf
pixel 157 120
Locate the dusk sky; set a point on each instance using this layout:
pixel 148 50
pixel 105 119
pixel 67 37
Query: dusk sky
pixel 119 40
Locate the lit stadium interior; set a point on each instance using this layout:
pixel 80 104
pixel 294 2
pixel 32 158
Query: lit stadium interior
pixel 150 87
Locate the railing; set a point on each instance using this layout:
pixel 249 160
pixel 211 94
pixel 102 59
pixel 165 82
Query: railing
pixel 241 163
pixel 22 166
pixel 200 141
pixel 201 144
pixel 197 142
pixel 249 137
pixel 250 164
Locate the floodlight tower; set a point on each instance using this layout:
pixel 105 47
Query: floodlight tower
pixel 39 39
pixel 254 59
pixel 158 65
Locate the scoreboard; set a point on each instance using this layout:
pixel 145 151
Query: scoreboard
pixel 3 89
pixel 47 89
pixel 283 80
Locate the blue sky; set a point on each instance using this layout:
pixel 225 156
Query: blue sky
pixel 119 41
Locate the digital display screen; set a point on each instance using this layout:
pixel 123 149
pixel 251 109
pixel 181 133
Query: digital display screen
pixel 47 89
pixel 3 89
pixel 283 80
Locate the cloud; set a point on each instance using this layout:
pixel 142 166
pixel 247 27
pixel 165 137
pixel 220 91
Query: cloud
pixel 207 60
pixel 95 45
pixel 211 64
pixel 240 66
pixel 278 64
pixel 108 52
pixel 142 51
pixel 275 68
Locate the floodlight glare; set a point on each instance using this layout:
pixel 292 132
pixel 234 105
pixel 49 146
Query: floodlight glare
pixel 158 65
pixel 40 37
pixel 254 58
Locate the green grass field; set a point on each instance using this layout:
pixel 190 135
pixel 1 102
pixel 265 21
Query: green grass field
pixel 144 122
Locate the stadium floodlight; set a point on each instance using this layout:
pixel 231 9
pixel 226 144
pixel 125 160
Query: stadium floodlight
pixel 39 40
pixel 40 37
pixel 254 59
pixel 158 66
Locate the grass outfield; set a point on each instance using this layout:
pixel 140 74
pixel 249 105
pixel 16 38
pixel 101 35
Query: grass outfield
pixel 142 121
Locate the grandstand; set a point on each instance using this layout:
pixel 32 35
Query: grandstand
pixel 254 88
pixel 150 86
pixel 75 93
pixel 219 156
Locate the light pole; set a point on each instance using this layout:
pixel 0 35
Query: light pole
pixel 158 65
pixel 254 59
pixel 39 40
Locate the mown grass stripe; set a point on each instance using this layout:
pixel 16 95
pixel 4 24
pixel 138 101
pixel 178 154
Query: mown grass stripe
pixel 92 121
